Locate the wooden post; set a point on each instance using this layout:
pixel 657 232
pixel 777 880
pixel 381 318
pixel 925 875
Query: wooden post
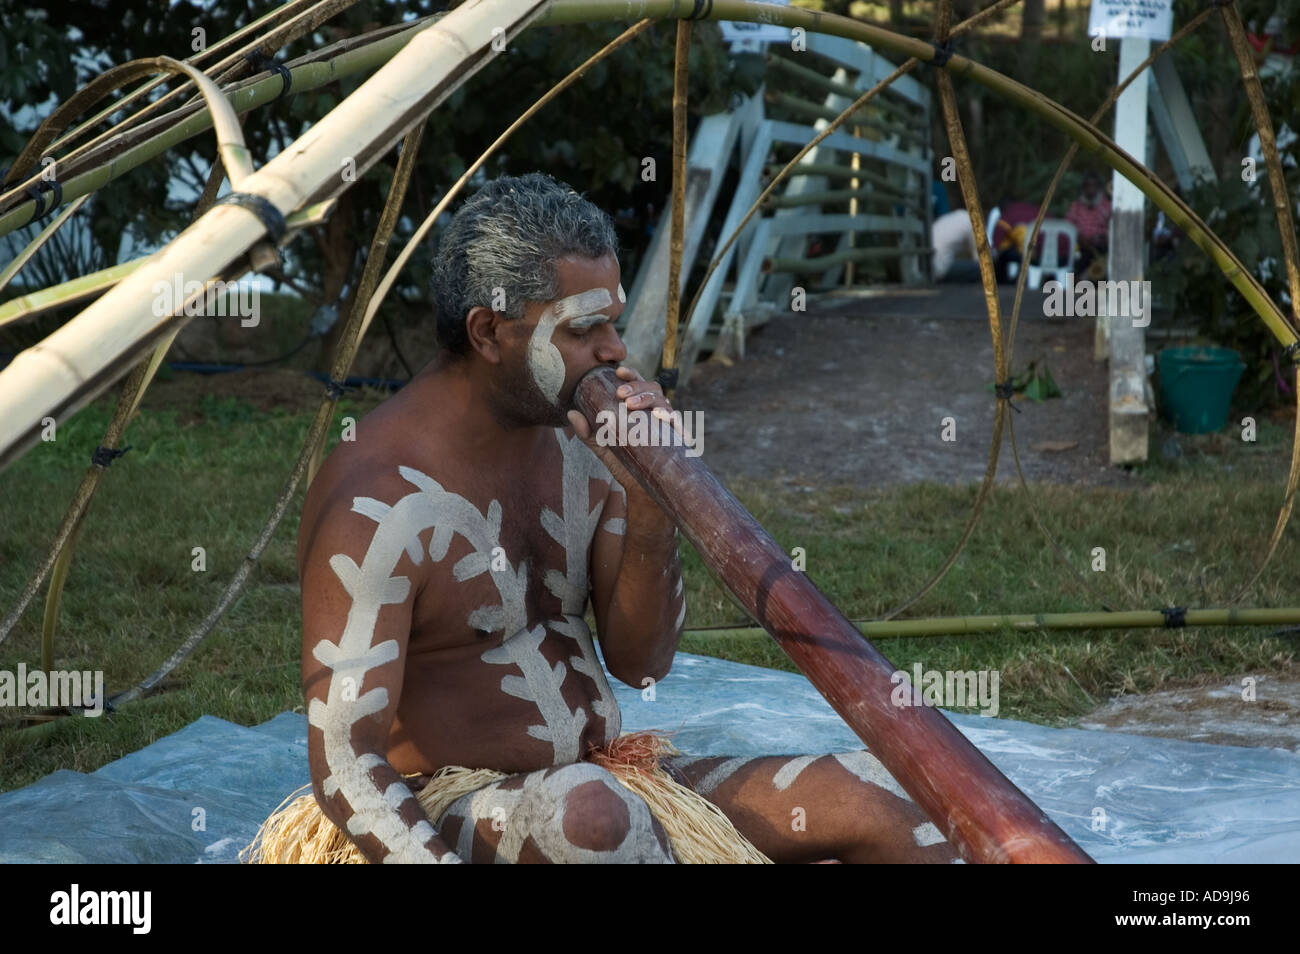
pixel 983 815
pixel 1124 263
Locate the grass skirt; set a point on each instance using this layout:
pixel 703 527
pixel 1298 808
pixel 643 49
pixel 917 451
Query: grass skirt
pixel 299 833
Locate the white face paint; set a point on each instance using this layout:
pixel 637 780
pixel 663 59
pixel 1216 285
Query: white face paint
pixel 621 295
pixel 544 359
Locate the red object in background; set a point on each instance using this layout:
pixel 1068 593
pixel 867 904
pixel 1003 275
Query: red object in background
pixel 1024 213
pixel 1260 42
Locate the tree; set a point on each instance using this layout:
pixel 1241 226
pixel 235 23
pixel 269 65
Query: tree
pixel 594 138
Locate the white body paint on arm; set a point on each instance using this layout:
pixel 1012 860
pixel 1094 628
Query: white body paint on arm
pixel 371 586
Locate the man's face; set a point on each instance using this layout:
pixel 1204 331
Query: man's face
pixel 1091 187
pixel 557 342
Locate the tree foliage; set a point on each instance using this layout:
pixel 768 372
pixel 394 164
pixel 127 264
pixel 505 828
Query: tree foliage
pixel 594 136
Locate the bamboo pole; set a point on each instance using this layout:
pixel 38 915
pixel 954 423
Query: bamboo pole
pixel 1268 143
pixel 86 286
pixel 1091 139
pixel 83 357
pixel 315 435
pixel 817 111
pixel 409 248
pixel 560 12
pixel 681 66
pixel 34 246
pixel 166 131
pixel 1293 476
pixel 1035 622
pixel 301 21
pixel 313 445
pixel 783 64
pixel 975 806
pixel 71 523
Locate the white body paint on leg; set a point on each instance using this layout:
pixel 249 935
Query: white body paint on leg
pixel 867 768
pixel 787 773
pixel 536 811
pixel 927 835
pixel 710 782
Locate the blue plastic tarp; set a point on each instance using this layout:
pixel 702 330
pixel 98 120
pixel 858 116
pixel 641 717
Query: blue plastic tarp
pixel 200 794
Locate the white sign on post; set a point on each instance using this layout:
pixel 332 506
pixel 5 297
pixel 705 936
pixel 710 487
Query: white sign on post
pixel 1149 19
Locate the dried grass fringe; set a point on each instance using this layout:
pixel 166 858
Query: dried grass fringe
pixel 299 833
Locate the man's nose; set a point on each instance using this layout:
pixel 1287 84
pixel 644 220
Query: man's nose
pixel 610 349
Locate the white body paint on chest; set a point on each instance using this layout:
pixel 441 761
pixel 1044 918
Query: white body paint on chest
pixel 574 531
pixel 541 682
pixel 544 359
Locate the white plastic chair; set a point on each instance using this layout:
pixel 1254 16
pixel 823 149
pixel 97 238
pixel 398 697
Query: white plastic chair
pixel 1050 234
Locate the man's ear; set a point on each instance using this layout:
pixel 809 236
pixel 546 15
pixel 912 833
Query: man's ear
pixel 483 327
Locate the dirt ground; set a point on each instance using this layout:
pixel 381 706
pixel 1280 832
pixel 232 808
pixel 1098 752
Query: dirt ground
pixel 856 389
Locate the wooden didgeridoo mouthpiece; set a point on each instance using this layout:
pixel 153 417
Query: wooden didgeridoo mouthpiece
pixel 982 814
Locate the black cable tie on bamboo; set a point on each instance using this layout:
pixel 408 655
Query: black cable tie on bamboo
pixel 702 10
pixel 1175 617
pixel 37 192
pixel 942 53
pixel 103 456
pixel 260 61
pixel 1007 390
pixel 1292 353
pixel 335 389
pixel 667 379
pixel 271 217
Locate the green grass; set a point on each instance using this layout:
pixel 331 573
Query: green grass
pixel 210 478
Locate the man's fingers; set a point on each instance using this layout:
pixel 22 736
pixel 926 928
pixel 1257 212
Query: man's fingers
pixel 580 426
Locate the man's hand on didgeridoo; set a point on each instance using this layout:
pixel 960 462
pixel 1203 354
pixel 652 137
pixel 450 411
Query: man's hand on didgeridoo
pixel 639 395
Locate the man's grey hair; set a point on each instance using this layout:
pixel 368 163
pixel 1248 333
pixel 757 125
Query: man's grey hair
pixel 504 242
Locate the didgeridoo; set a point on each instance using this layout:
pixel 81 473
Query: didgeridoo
pixel 983 815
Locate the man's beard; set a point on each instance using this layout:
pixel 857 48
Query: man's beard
pixel 519 402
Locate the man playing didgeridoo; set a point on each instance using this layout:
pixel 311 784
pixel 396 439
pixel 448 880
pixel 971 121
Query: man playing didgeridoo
pixel 447 555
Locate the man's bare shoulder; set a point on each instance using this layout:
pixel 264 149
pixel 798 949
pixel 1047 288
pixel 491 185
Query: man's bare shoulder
pixel 376 465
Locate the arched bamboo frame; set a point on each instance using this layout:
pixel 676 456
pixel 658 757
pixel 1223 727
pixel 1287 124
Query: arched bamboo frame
pixel 33 393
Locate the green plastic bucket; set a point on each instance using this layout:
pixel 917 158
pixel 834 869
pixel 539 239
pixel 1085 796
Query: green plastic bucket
pixel 1196 386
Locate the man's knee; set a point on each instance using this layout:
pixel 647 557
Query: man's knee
pixel 602 817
